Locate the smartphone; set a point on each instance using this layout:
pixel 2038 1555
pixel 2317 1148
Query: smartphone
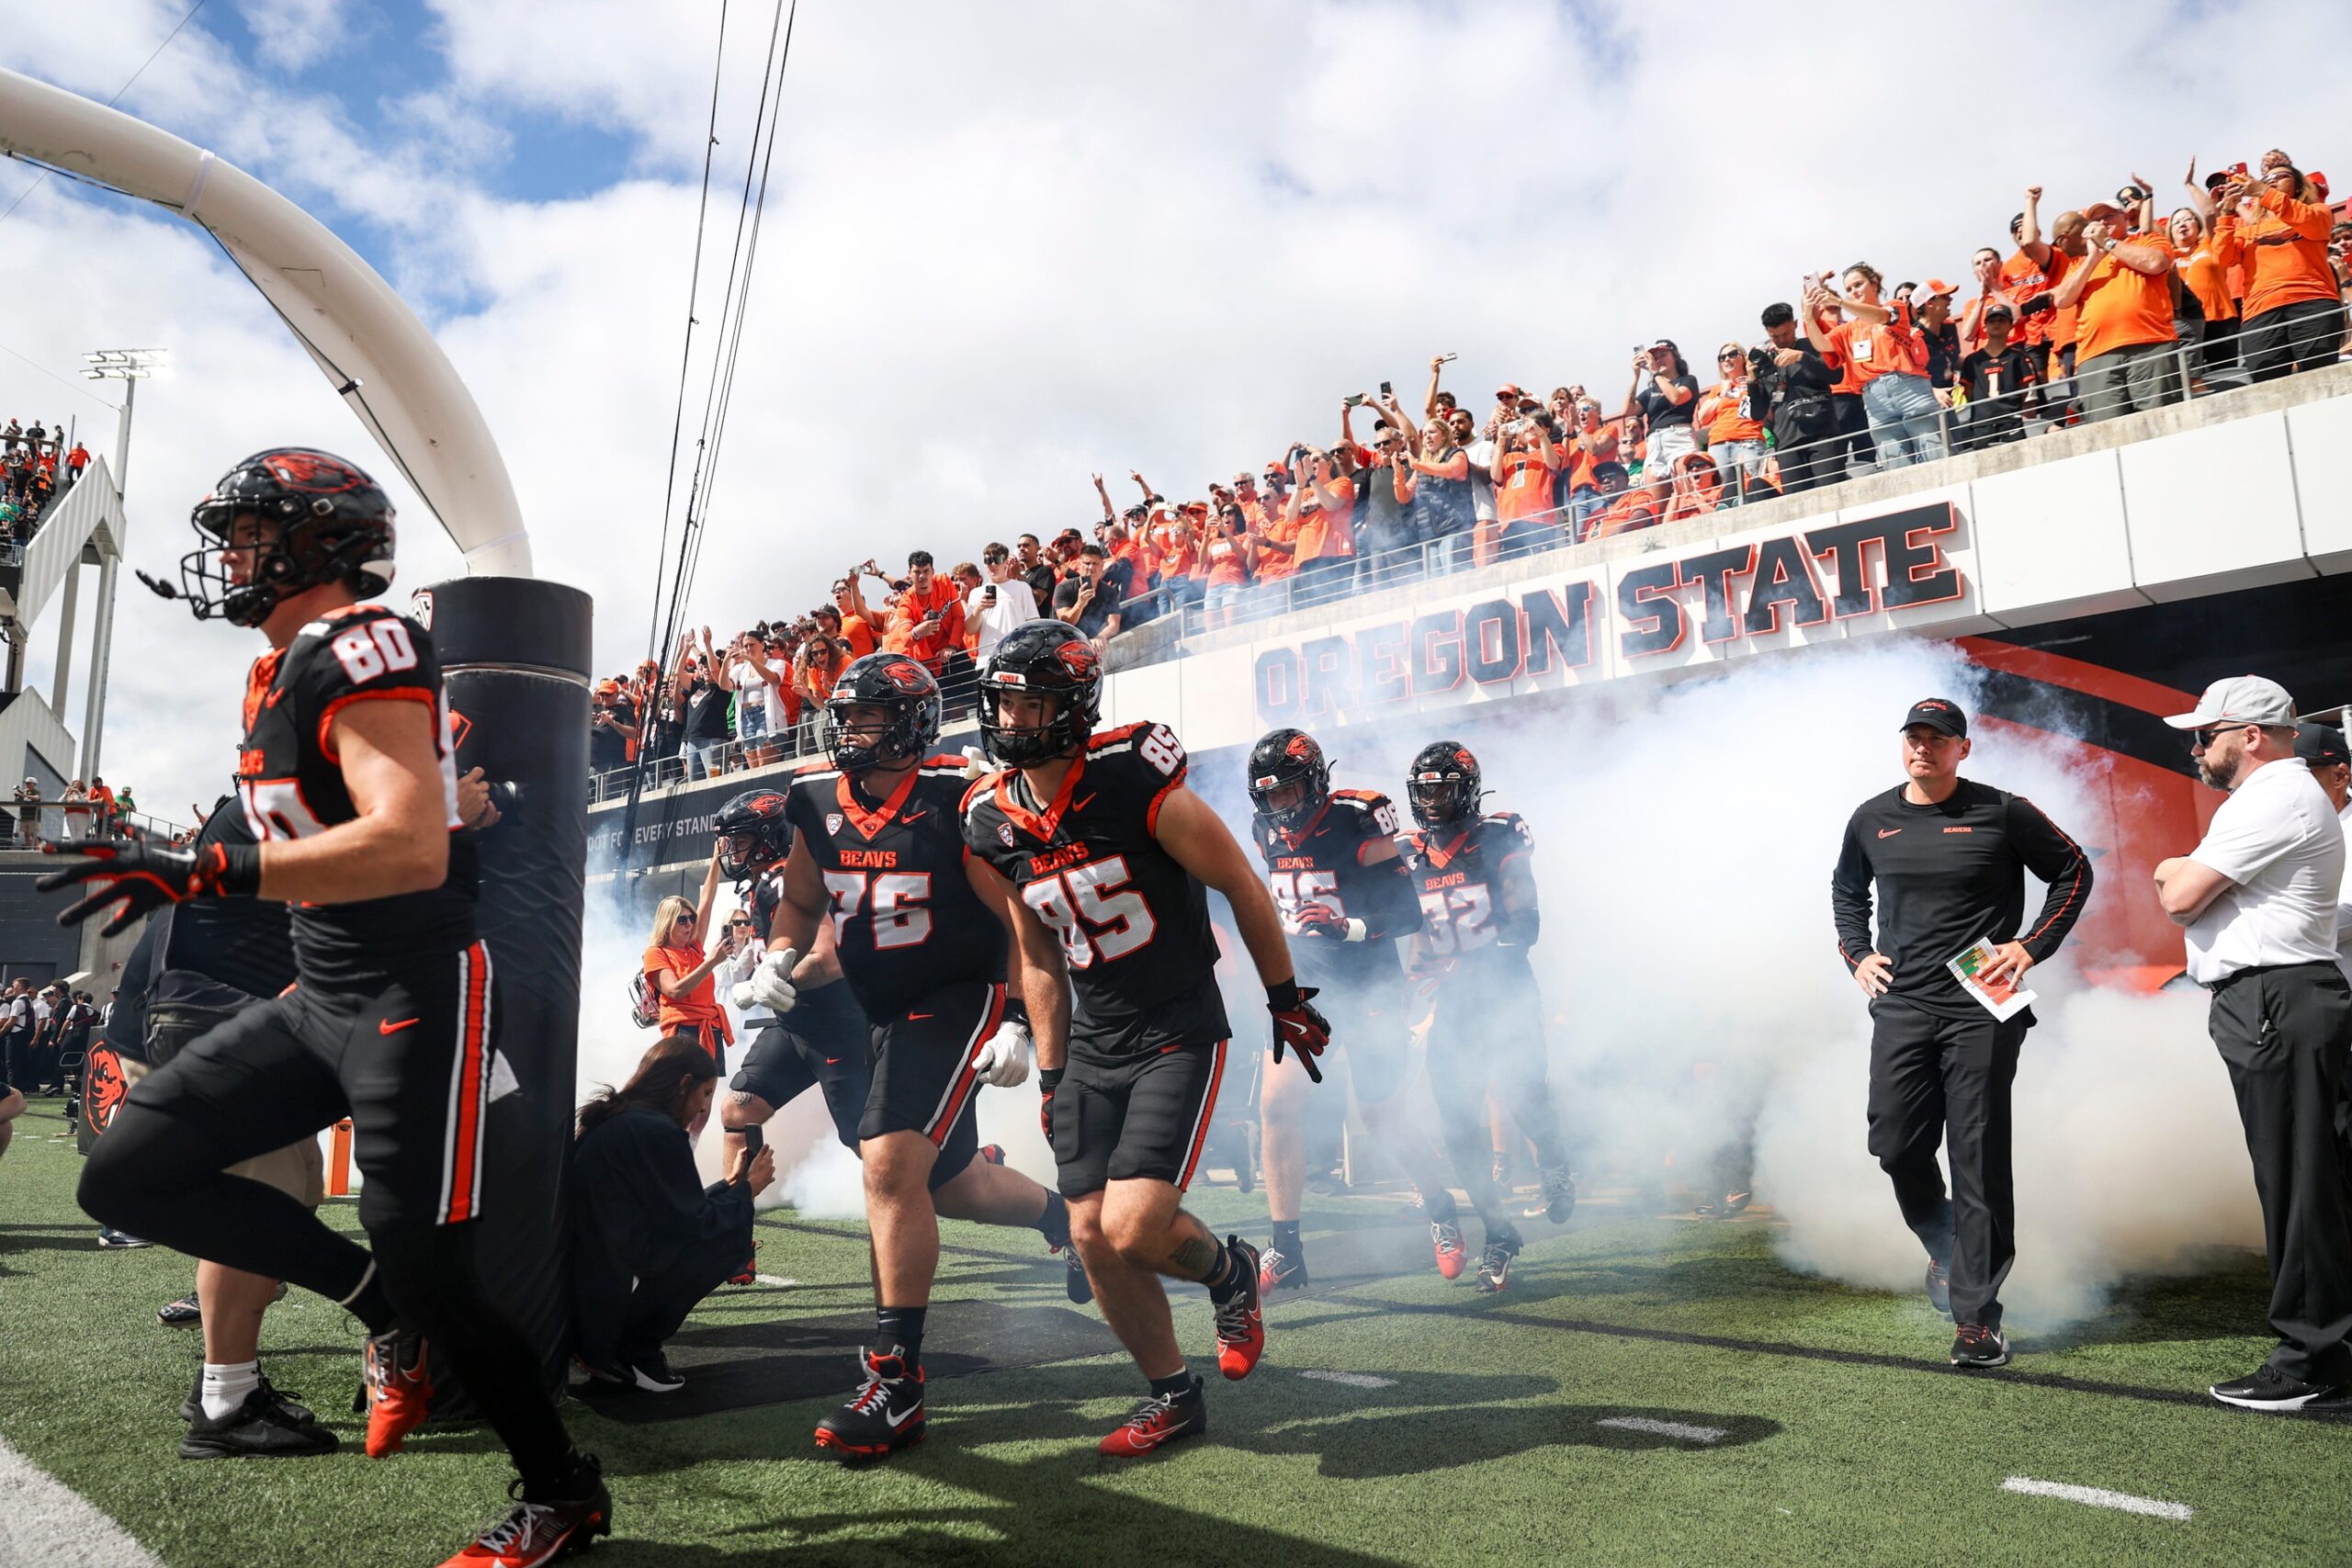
pixel 1444 358
pixel 1386 390
pixel 754 1136
pixel 1355 400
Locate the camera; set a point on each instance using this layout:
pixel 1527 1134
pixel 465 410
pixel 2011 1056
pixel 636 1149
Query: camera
pixel 1760 360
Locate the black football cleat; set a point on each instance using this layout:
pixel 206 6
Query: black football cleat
pixel 1157 1422
pixel 1976 1346
pixel 1939 1285
pixel 185 1312
pixel 1075 1284
pixel 1494 1264
pixel 885 1415
pixel 1559 1196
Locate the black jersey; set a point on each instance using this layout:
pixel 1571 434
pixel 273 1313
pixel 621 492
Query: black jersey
pixel 245 944
pixel 1324 864
pixel 1458 874
pixel 1133 924
pixel 905 918
pixel 290 779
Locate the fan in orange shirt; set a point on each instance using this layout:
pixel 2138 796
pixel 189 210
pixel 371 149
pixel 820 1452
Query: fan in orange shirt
pixel 2278 231
pixel 929 614
pixel 2124 360
pixel 1322 507
pixel 1625 511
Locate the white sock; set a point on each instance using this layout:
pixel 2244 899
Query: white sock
pixel 225 1387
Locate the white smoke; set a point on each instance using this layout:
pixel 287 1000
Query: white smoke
pixel 1684 842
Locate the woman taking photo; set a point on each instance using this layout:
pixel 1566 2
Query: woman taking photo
pixel 679 972
pixel 1881 344
pixel 648 1239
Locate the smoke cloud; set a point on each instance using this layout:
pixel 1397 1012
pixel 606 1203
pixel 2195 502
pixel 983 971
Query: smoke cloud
pixel 1699 1008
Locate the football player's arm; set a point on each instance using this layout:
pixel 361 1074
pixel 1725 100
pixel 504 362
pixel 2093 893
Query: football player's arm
pixel 1394 908
pixel 1038 974
pixel 1521 920
pixel 399 842
pixel 1200 842
pixel 802 905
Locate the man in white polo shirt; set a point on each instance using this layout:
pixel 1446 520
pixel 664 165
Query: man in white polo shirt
pixel 2321 747
pixel 2258 896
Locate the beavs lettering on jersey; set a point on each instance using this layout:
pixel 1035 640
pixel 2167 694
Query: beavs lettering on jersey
pixel 1436 879
pixel 1758 586
pixel 1060 858
pixel 871 860
pixel 1296 863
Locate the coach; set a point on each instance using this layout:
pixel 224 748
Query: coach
pixel 2321 747
pixel 1948 857
pixel 2258 897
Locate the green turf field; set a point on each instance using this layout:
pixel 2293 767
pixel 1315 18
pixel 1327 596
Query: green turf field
pixel 1845 1438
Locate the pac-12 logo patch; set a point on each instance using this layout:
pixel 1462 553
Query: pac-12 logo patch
pixel 1004 832
pixel 832 821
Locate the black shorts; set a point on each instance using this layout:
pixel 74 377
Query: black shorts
pixel 409 1062
pixel 1144 1118
pixel 821 1044
pixel 923 1079
pixel 1370 1028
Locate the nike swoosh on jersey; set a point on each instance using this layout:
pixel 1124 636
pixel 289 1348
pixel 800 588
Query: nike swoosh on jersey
pixel 1888 832
pixel 388 1026
pixel 912 1016
pixel 1082 802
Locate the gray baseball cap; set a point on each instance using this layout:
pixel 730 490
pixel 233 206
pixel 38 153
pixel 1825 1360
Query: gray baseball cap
pixel 2239 699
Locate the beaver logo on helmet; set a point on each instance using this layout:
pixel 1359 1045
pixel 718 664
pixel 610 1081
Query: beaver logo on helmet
pixel 1443 787
pixel 909 699
pixel 1080 658
pixel 1284 758
pixel 751 833
pixel 298 469
pixel 310 519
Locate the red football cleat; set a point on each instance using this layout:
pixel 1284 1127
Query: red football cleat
pixel 1240 1318
pixel 1452 1255
pixel 1158 1421
pixel 400 1388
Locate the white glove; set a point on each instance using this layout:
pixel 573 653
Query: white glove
pixel 741 997
pixel 976 763
pixel 771 983
pixel 1003 1060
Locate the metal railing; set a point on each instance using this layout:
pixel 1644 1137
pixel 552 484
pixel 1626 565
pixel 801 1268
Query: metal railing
pixel 2194 368
pixel 77 821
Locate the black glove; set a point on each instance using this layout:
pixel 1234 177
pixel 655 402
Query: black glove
pixel 1048 1079
pixel 1298 1024
pixel 146 877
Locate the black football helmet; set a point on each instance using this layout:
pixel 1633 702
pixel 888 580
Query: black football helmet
pixel 1054 659
pixel 752 832
pixel 1286 757
pixel 902 688
pixel 331 520
pixel 1443 787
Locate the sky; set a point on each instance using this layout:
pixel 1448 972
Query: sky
pixel 1008 248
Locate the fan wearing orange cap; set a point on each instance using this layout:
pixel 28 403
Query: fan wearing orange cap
pixel 613 728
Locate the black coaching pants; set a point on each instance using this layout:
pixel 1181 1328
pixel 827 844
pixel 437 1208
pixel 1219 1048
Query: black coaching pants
pixel 2282 1033
pixel 1937 1080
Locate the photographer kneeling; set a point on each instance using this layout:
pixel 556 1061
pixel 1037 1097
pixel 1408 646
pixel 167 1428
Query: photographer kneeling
pixel 649 1240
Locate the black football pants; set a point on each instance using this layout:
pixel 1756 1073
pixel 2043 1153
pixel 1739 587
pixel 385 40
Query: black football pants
pixel 1937 1080
pixel 1487 1032
pixel 2282 1033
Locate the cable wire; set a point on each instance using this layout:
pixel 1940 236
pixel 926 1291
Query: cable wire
pixel 118 91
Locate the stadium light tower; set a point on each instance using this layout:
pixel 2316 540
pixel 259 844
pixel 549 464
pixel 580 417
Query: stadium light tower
pixel 130 366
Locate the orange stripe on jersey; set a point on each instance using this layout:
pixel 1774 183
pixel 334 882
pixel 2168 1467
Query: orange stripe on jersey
pixel 1043 827
pixel 869 823
pixel 466 1134
pixel 1200 1131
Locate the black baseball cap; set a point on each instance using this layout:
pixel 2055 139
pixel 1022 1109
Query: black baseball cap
pixel 2320 745
pixel 1937 713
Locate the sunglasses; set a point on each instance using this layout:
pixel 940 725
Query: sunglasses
pixel 2203 739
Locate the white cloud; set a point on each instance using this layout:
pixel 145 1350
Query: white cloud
pixel 1008 248
pixel 296 33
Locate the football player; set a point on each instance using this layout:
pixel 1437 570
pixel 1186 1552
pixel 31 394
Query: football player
pixel 348 782
pixel 1102 852
pixel 878 856
pixel 1480 917
pixel 1341 886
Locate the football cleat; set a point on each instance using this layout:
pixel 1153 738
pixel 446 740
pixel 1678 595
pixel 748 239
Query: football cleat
pixel 1075 1284
pixel 1939 1285
pixel 1559 1196
pixel 1240 1318
pixel 651 1374
pixel 192 1407
pixel 268 1425
pixel 399 1386
pixel 1452 1255
pixel 1158 1421
pixel 990 1154
pixel 1277 1268
pixel 750 1273
pixel 530 1534
pixel 185 1312
pixel 885 1415
pixel 1493 1265
pixel 1977 1346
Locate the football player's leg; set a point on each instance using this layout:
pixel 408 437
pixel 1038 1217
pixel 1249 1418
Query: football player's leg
pixel 1281 1099
pixel 768 1077
pixel 420 1108
pixel 161 1171
pixel 1458 1070
pixel 1522 1076
pixel 1376 1066
pixel 1127 1243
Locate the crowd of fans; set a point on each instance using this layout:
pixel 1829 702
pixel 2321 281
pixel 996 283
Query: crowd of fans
pixel 85 811
pixel 29 459
pixel 2112 308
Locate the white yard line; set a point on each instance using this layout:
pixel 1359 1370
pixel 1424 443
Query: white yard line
pixel 2097 1497
pixel 46 1524
pixel 774 1280
pixel 1680 1431
pixel 1352 1380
